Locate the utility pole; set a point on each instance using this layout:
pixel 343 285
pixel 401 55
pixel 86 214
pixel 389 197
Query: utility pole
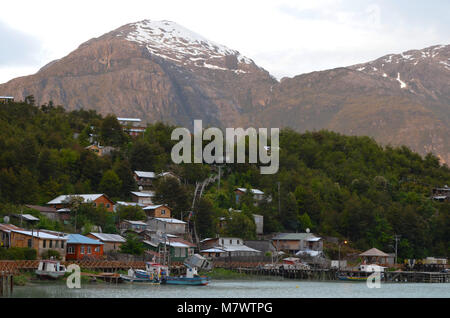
pixel 279 199
pixel 218 186
pixel 396 238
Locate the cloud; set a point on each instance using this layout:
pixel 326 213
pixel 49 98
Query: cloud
pixel 17 48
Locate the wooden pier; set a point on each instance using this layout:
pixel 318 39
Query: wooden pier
pixel 331 275
pixel 6 284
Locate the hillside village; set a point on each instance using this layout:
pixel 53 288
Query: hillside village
pixel 85 187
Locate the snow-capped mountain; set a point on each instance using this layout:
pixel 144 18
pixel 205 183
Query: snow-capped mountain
pixel 175 43
pixel 423 72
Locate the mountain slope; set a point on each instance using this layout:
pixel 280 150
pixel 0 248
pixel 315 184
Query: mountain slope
pixel 397 99
pixel 158 71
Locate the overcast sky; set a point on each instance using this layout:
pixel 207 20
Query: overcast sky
pixel 286 37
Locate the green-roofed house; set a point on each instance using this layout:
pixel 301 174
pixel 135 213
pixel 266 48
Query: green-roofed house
pixel 298 243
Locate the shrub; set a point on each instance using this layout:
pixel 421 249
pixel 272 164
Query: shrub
pixel 50 254
pixel 18 253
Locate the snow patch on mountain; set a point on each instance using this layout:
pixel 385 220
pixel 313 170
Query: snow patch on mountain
pixel 172 41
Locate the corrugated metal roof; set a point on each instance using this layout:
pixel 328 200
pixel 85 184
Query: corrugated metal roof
pixel 28 217
pixel 42 235
pixel 170 220
pixel 144 194
pixel 152 207
pixel 66 197
pixel 254 191
pixel 135 222
pixel 294 236
pixel 105 237
pixel 213 250
pixel 41 208
pixel 145 174
pixel 129 119
pixel 130 203
pixel 81 239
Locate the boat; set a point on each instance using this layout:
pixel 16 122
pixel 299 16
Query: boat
pixel 352 278
pixel 152 274
pixel 367 270
pixel 50 269
pixel 191 278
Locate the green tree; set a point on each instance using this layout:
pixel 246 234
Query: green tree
pixel 111 184
pixel 132 245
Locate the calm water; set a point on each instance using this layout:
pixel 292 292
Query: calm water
pixel 238 289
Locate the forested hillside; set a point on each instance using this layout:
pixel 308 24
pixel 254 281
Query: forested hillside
pixel 348 187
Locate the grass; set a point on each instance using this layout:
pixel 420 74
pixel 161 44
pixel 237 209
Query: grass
pixel 23 278
pixel 222 273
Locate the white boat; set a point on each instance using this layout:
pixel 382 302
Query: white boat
pixel 152 274
pixel 50 269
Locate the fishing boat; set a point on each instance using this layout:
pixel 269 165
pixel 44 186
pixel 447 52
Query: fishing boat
pixel 352 278
pixel 152 274
pixel 50 269
pixel 191 278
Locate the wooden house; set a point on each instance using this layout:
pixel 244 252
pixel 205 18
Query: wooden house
pixel 100 150
pixel 178 248
pixel 134 226
pixel 298 242
pixel 81 247
pixel 6 99
pixel 50 212
pixel 36 239
pixel 226 246
pixel 146 179
pixel 132 126
pixel 111 242
pixel 62 201
pixel 158 211
pixel 144 198
pixel 441 194
pixel 258 195
pixel 166 225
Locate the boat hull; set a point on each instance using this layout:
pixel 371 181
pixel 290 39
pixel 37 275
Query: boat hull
pixel 50 275
pixel 352 279
pixel 129 279
pixel 194 281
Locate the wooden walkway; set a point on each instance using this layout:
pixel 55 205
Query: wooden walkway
pixel 330 275
pixel 101 266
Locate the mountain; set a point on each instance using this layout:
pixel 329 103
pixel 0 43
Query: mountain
pixel 397 99
pixel 155 70
pixel 161 71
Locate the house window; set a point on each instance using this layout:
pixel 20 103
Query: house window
pixel 44 243
pixel 56 244
pixel 231 242
pixel 163 212
pixel 29 243
pixel 108 205
pixel 51 244
pixel 238 241
pixel 82 249
pixel 62 244
pixel 223 242
pixel 70 250
pixel 97 249
pixel 89 250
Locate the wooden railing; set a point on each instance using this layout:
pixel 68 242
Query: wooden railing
pixel 14 266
